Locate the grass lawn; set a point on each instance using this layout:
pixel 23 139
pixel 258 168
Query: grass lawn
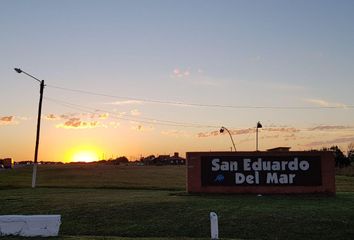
pixel 98 176
pixel 150 202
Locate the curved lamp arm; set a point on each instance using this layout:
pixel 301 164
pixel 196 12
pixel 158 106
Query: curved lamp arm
pixel 222 129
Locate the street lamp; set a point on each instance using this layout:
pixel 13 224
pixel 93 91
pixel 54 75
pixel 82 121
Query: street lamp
pixel 34 175
pixel 259 125
pixel 222 129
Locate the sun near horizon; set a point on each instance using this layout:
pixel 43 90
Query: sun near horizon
pixel 80 154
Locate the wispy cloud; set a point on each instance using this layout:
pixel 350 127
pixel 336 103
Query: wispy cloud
pixel 324 103
pixel 103 115
pixel 282 129
pixel 249 130
pixel 7 119
pixel 331 141
pixel 270 136
pixel 142 128
pixel 329 128
pixel 97 115
pixel 126 102
pixel 175 133
pixel 232 132
pixel 196 77
pixel 180 73
pixel 114 124
pixel 135 112
pixel 77 123
pixel 52 117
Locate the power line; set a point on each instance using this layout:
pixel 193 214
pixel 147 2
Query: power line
pixel 130 118
pixel 200 104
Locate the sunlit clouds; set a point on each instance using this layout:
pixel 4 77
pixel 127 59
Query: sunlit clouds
pixel 298 138
pixel 77 123
pixel 7 120
pixel 78 120
pixel 51 117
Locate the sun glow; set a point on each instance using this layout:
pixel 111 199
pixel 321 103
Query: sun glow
pixel 84 156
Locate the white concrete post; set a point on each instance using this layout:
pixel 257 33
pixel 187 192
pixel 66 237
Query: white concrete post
pixel 214 228
pixel 30 225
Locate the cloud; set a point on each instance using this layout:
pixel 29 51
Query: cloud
pixel 248 131
pixel 324 103
pixel 23 118
pixel 179 73
pixel 175 133
pixel 232 132
pixel 270 136
pixel 121 114
pixel 126 102
pixel 142 128
pixel 208 134
pixel 114 124
pixel 103 115
pixel 77 123
pixel 197 77
pixel 7 119
pixel 329 127
pixel 282 129
pixel 330 142
pixel 52 117
pixel 135 112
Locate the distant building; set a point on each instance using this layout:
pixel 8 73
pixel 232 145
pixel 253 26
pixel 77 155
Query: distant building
pixel 164 160
pixel 177 160
pixel 6 163
pixel 279 149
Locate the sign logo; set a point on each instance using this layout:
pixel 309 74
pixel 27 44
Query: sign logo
pixel 219 178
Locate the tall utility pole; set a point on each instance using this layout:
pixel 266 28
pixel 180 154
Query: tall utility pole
pixel 259 125
pixel 35 163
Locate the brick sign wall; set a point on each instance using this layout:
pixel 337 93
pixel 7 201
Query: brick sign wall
pixel 261 172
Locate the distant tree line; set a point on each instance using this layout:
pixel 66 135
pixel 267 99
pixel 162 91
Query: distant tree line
pixel 340 158
pixel 117 161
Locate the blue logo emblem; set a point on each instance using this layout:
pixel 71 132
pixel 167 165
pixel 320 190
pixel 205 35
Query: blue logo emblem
pixel 219 178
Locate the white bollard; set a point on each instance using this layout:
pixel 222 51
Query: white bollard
pixel 30 225
pixel 214 228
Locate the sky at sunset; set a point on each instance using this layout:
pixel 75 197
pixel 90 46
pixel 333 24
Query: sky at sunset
pixel 136 78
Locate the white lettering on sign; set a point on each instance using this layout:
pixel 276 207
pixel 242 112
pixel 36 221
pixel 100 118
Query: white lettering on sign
pixel 224 165
pixel 260 165
pixel 304 165
pixel 249 171
pixel 241 178
pixel 280 179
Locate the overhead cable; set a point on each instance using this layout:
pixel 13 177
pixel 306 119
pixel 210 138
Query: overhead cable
pixel 153 121
pixel 201 104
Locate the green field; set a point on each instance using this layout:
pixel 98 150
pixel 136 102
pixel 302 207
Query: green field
pixel 150 202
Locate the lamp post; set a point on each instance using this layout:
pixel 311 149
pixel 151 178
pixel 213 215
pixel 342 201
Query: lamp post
pixel 222 129
pixel 259 125
pixel 35 163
